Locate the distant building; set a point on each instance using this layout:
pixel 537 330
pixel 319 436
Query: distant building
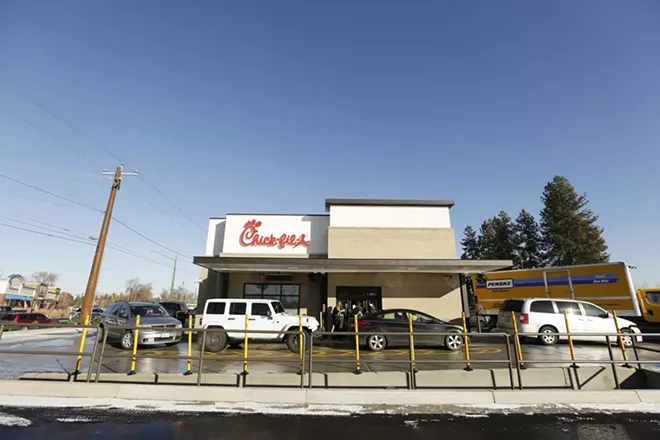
pixel 16 292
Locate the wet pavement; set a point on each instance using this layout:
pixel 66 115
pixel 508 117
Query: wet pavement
pixel 340 357
pixel 80 423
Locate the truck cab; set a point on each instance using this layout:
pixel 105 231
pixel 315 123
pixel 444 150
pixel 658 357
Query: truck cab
pixel 649 302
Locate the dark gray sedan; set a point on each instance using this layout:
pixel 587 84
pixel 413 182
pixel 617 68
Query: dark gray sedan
pixel 162 328
pixel 397 321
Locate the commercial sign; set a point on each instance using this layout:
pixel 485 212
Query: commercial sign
pixel 499 284
pixel 251 237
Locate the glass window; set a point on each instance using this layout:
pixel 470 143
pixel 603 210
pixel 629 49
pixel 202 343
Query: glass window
pixel 260 309
pixel 512 305
pixel 653 297
pixel 420 318
pixel 592 310
pixel 238 308
pixel 287 294
pixel 216 308
pixel 570 307
pixel 278 307
pixel 542 307
pixel 148 310
pixel 393 316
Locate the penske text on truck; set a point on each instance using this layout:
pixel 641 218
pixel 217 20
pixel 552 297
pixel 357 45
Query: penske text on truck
pixel 608 285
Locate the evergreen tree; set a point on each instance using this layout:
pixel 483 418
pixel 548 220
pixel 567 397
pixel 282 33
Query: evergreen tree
pixel 487 239
pixel 570 233
pixel 529 252
pixel 470 244
pixel 497 238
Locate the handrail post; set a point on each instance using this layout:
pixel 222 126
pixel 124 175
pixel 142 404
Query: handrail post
pixel 516 339
pixel 357 346
pixel 94 348
pixel 83 336
pixel 245 347
pixel 468 367
pixel 189 360
pixel 135 346
pixel 411 353
pixel 300 343
pixel 614 373
pixel 100 363
pixel 201 357
pixel 620 339
pixel 634 342
pixel 2 330
pixel 508 358
pixel 311 355
pixel 570 340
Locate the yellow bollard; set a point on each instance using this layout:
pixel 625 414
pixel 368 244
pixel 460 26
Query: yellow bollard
pixel 517 340
pixel 189 362
pixel 135 345
pixel 412 343
pixel 357 346
pixel 619 338
pixel 82 346
pixel 570 340
pixel 245 347
pixel 468 367
pixel 301 339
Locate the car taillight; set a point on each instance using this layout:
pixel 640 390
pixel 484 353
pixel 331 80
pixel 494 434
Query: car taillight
pixel 362 323
pixel 524 318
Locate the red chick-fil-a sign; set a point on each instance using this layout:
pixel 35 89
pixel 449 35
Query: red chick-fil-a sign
pixel 250 237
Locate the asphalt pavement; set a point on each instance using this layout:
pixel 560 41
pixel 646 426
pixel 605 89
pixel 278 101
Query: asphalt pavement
pixel 79 423
pixel 328 357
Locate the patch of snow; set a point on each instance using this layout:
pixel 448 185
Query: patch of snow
pixel 9 420
pixel 414 424
pixel 74 420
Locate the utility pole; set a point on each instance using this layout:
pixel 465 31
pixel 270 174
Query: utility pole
pixel 88 300
pixel 173 276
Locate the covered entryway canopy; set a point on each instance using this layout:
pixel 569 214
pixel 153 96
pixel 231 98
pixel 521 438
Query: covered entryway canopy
pixel 329 265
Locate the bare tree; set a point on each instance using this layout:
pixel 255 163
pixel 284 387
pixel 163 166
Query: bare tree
pixel 138 291
pixel 46 278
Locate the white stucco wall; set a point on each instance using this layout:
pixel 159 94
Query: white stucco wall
pixel 314 228
pixel 389 217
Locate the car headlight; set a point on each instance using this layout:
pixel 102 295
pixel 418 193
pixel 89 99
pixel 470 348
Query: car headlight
pixel 178 325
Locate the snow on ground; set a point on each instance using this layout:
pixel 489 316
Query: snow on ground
pixel 469 411
pixel 9 420
pixel 21 336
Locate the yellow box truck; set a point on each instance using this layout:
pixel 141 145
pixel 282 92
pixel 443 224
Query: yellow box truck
pixel 608 285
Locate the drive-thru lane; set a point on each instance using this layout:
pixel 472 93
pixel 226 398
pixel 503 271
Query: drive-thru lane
pixel 340 357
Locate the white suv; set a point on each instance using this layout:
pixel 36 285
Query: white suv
pixel 262 314
pixel 545 315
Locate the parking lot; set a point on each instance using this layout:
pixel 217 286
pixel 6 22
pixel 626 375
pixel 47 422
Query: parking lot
pixel 337 356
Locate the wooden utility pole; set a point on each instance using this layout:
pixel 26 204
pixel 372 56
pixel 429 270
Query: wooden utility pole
pixel 88 299
pixel 173 276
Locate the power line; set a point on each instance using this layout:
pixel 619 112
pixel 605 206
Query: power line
pixel 97 210
pixel 31 198
pixel 149 239
pixel 85 136
pixel 71 126
pixel 76 152
pixel 162 194
pixel 50 193
pixel 196 234
pixel 46 234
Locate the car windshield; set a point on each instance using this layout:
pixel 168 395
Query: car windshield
pixel 278 307
pixel 148 310
pixel 170 307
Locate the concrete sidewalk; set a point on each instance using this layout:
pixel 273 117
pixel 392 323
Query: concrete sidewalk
pixel 185 397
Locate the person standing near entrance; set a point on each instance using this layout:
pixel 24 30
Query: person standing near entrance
pixel 329 319
pixel 338 317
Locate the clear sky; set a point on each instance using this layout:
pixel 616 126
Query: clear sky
pixel 272 106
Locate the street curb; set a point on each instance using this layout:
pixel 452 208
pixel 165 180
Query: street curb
pixel 392 398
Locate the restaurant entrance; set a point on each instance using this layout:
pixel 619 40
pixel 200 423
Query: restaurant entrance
pixel 369 297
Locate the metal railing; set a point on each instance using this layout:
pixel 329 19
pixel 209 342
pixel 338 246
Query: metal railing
pixel 306 359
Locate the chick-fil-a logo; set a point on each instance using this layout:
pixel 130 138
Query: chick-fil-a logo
pixel 250 237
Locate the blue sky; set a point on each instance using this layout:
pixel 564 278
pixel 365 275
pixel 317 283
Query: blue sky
pixel 268 106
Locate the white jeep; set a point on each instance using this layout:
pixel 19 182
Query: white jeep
pixel 262 314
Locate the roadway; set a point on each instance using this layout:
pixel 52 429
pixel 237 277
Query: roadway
pixel 339 357
pixel 104 424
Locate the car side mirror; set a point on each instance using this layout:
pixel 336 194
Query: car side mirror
pixel 604 315
pixel 269 315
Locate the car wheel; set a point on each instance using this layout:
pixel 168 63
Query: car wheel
pixel 376 342
pixel 454 342
pixel 627 340
pixel 549 336
pixel 127 341
pixel 292 341
pixel 215 342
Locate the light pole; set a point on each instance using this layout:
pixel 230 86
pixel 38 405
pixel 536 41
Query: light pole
pixel 173 270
